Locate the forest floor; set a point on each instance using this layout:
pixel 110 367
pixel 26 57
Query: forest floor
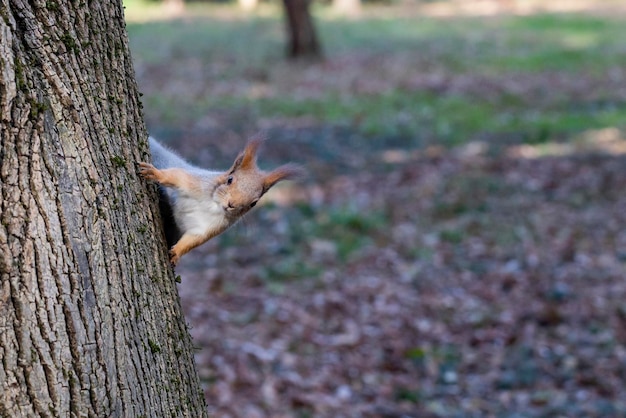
pixel 459 246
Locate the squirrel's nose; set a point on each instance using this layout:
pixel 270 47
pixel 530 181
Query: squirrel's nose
pixel 230 205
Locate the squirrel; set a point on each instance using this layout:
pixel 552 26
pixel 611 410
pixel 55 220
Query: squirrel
pixel 204 203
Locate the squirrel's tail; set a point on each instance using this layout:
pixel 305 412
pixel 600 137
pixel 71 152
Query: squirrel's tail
pixel 163 157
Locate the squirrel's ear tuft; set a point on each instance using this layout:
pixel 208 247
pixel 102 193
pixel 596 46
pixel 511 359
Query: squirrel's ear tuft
pixel 284 172
pixel 248 156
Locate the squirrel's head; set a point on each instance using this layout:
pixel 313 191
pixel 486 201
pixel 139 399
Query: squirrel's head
pixel 241 187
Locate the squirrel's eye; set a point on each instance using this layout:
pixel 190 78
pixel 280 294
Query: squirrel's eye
pixel 229 180
pixel 253 204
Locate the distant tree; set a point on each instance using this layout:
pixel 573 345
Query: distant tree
pixel 301 33
pixel 90 320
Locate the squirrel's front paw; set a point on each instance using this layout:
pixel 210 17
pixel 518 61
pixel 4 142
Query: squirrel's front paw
pixel 149 172
pixel 174 257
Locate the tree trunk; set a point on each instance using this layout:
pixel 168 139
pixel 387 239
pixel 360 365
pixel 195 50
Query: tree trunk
pixel 301 32
pixel 90 320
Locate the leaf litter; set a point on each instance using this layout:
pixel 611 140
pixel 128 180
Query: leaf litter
pixel 492 285
pixel 405 278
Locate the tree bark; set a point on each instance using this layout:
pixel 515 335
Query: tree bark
pixel 300 30
pixel 90 320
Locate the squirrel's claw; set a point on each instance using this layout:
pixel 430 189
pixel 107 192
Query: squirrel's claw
pixel 148 171
pixel 174 257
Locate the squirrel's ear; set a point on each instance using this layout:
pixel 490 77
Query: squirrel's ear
pixel 284 172
pixel 248 156
pixel 236 164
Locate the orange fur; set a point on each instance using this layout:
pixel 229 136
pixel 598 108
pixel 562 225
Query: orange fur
pixel 171 177
pixel 285 172
pixel 187 243
pixel 213 201
pixel 248 161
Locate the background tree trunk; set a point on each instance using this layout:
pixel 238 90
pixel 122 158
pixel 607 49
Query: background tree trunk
pixel 301 31
pixel 90 320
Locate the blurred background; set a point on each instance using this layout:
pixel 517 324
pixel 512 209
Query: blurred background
pixel 459 246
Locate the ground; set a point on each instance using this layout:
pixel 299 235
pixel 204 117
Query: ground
pixel 459 246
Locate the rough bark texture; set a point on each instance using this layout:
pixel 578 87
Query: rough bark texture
pixel 301 31
pixel 90 320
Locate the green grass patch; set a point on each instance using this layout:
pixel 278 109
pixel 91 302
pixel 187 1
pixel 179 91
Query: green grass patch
pixel 350 229
pixel 213 47
pixel 551 42
pixel 234 45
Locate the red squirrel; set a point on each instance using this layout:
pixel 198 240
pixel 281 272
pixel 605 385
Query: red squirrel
pixel 205 203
